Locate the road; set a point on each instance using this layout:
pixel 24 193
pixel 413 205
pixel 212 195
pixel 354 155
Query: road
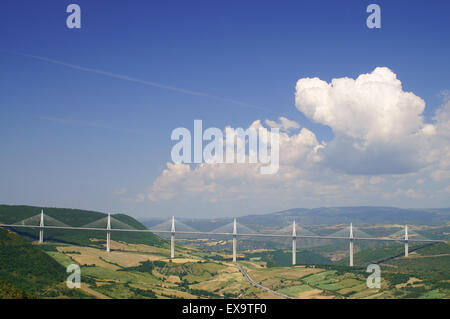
pixel 251 281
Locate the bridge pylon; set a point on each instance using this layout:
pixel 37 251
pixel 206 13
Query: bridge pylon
pixel 172 239
pixel 406 241
pixel 294 244
pixel 41 229
pixel 108 234
pixel 351 245
pixel 234 240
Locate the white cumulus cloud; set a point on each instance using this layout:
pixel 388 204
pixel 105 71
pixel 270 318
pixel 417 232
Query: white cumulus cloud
pixel 381 148
pixel 219 181
pixel 377 125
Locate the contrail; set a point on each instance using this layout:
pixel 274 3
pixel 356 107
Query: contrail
pixel 144 82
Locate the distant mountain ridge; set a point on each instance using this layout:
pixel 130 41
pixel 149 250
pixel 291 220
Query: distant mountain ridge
pixel 362 215
pixel 355 214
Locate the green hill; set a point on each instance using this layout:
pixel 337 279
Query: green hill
pixel 25 266
pixel 281 258
pixel 435 249
pixel 379 255
pixel 76 218
pixel 373 255
pixel 26 271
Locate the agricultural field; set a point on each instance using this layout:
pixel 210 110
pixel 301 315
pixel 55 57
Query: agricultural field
pixel 141 271
pixel 141 267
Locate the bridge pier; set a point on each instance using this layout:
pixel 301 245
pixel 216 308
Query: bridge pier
pixel 108 234
pixel 234 240
pixel 351 245
pixel 406 241
pixel 294 244
pixel 41 229
pixel 172 239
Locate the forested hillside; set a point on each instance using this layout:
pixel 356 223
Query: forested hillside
pixel 25 266
pixel 76 218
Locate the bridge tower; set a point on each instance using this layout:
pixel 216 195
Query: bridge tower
pixel 406 240
pixel 294 244
pixel 41 229
pixel 234 240
pixel 351 245
pixel 172 239
pixel 108 234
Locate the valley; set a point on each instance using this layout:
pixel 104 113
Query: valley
pixel 139 266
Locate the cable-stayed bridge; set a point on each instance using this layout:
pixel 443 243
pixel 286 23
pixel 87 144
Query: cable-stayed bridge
pixel 110 224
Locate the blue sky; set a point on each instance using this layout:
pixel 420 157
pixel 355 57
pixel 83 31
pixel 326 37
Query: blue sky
pixel 82 139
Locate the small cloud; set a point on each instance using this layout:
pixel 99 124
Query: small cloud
pixel 445 94
pixel 428 130
pixel 140 197
pixel 358 183
pixel 284 124
pixel 374 180
pixel 440 175
pixel 420 181
pixel 120 191
pixel 411 193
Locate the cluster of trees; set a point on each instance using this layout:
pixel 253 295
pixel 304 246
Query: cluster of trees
pixel 184 286
pixel 144 293
pixel 145 266
pixel 8 291
pixel 281 258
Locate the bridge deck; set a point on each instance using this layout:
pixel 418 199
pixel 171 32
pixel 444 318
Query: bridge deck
pixel 217 234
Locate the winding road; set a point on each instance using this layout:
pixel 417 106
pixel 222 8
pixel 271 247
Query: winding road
pixel 250 280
